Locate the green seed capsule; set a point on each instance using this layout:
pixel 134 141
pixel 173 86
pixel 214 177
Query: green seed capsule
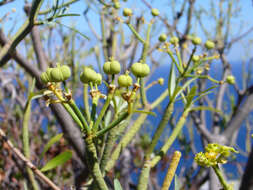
pixel 115 67
pixel 230 79
pixel 195 58
pixel 127 12
pixel 44 78
pixel 87 75
pixel 155 12
pixel 98 79
pixel 162 37
pixel 48 72
pixel 209 44
pixel 65 72
pixel 107 67
pixel 137 69
pixel 116 5
pixel 56 75
pixel 196 40
pixel 140 70
pixel 125 80
pixel 145 70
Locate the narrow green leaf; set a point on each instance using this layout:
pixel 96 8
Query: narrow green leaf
pixel 180 89
pixel 172 80
pixel 117 185
pixel 73 29
pixel 58 160
pixel 191 95
pixel 53 140
pixel 64 15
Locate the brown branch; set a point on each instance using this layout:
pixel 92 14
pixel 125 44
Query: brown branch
pixel 27 162
pixel 240 115
pixel 73 134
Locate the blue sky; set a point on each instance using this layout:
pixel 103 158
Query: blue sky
pixel 240 24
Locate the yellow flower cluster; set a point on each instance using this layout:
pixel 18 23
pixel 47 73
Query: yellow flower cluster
pixel 214 154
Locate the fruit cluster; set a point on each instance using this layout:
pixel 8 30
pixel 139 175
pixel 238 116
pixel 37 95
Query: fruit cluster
pixel 57 74
pixel 90 76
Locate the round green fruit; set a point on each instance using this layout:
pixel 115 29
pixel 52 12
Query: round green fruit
pixel 209 44
pixel 155 12
pixel 56 75
pixel 127 12
pixel 44 78
pixel 174 40
pixel 107 67
pixel 140 70
pixel 145 70
pixel 65 72
pixel 195 58
pixel 162 37
pixel 115 67
pixel 196 40
pixel 125 80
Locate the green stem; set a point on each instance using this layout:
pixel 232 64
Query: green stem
pixel 125 140
pixel 137 35
pixel 102 112
pixel 221 178
pixel 79 114
pixel 172 138
pixel 163 123
pixel 59 7
pixel 94 164
pixel 180 69
pixel 94 109
pixel 143 181
pixel 73 115
pixel 143 58
pixel 86 102
pixel 26 147
pixel 159 99
pixel 113 124
pixel 103 35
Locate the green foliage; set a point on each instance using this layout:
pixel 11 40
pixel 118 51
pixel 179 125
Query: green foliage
pixel 57 161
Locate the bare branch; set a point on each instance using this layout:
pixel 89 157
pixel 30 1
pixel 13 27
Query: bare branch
pixel 27 162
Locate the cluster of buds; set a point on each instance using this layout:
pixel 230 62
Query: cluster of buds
pixel 214 154
pixel 57 74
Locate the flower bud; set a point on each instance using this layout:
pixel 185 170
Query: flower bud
pixel 196 40
pixel 162 37
pixel 209 44
pixel 155 12
pixel 125 80
pixel 127 12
